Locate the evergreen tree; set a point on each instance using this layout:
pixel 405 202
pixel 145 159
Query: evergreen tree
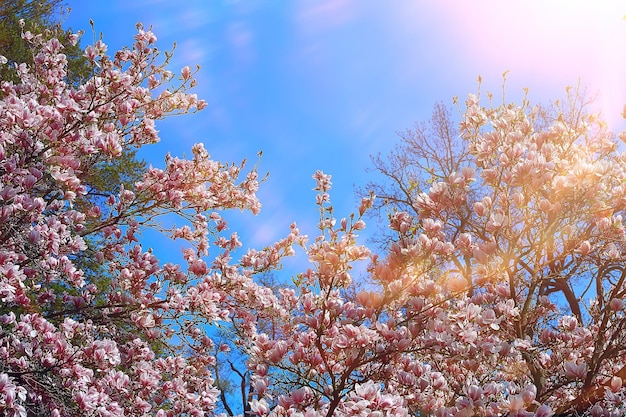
pixel 45 17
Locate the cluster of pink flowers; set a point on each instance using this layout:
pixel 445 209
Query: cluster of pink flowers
pixel 69 345
pixel 503 296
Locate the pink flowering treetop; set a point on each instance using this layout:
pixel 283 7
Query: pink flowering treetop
pixel 502 292
pixel 91 323
pixel 516 224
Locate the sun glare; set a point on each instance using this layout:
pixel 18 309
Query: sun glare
pixel 544 43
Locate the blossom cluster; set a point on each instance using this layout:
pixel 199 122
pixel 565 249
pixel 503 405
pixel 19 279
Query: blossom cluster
pixel 87 313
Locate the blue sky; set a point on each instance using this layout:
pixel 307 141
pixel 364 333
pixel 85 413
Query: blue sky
pixel 325 84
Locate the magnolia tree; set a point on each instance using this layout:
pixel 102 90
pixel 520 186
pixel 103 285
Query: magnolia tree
pixel 502 292
pixel 515 221
pixel 93 324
